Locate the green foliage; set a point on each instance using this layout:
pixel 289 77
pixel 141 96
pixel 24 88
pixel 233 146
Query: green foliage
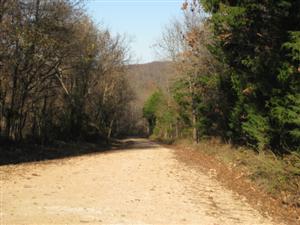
pixel 152 104
pixel 166 122
pixel 294 45
pixel 200 103
pixel 256 129
pixel 259 46
pixel 151 108
pixel 285 114
pixel 182 97
pixel 239 73
pixel 161 116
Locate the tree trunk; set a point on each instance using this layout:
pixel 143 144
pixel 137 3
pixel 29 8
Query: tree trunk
pixel 110 129
pixel 195 131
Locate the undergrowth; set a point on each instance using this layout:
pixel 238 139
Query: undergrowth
pixel 277 175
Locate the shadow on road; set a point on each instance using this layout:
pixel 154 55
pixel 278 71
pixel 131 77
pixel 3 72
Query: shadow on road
pixel 15 154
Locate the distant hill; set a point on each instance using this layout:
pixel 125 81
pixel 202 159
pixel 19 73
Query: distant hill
pixel 144 80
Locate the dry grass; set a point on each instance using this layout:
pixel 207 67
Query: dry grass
pixel 278 176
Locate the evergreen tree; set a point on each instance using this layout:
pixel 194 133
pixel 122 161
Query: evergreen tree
pixel 259 43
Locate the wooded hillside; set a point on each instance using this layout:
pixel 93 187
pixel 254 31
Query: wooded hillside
pixel 144 79
pixel 239 75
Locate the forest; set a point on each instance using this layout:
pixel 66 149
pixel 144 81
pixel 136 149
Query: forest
pixel 211 129
pixel 231 71
pixel 61 76
pixel 237 75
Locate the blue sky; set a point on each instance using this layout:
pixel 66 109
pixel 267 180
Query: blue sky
pixel 141 20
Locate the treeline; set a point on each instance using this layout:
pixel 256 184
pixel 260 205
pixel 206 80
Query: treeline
pixel 144 79
pixel 239 74
pixel 61 77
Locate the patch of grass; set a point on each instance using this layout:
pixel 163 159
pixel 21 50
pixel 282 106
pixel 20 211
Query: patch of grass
pixel 278 176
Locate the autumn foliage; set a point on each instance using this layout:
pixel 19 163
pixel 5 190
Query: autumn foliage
pixel 61 77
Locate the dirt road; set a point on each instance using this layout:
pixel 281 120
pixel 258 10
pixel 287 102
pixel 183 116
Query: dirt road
pixel 142 184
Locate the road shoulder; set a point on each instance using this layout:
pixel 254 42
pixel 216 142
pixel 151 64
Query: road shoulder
pixel 235 180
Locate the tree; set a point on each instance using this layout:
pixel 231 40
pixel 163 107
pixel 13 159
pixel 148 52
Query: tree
pixel 196 89
pixel 151 108
pixel 55 65
pixel 258 42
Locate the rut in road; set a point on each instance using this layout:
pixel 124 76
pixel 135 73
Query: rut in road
pixel 142 184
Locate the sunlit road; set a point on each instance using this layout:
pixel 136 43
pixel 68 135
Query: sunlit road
pixel 142 184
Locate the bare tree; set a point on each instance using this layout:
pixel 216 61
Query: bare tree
pixel 55 65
